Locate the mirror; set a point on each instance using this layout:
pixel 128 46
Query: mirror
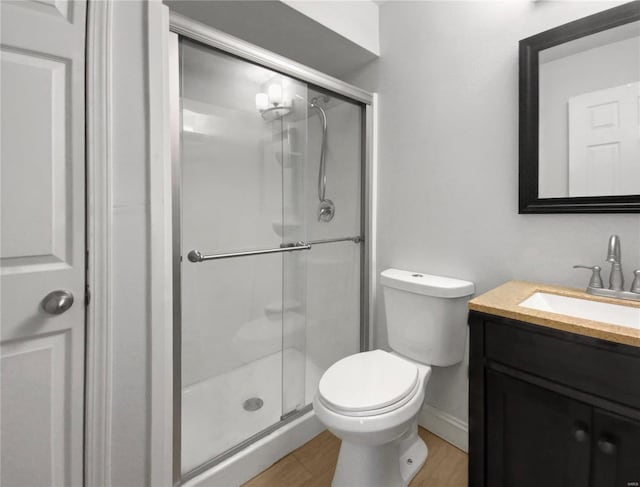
pixel 580 115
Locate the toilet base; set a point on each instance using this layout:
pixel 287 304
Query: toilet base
pixel 392 464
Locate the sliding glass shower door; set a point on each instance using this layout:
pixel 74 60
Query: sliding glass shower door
pixel 243 320
pixel 270 278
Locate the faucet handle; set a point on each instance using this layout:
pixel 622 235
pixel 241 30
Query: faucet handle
pixel 635 285
pixel 596 278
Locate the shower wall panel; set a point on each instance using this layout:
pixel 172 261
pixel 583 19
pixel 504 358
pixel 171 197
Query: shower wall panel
pixel 344 168
pixel 231 197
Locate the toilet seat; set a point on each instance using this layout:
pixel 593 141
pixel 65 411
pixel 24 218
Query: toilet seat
pixel 368 384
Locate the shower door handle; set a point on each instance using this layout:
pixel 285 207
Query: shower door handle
pixel 197 256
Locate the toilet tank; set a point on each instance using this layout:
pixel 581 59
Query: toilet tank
pixel 426 315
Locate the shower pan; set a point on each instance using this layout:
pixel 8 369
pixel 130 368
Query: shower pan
pixel 270 290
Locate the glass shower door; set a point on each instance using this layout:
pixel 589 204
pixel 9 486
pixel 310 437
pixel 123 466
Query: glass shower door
pixel 243 324
pixel 294 230
pixel 334 262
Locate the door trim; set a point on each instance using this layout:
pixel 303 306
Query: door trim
pixel 176 164
pixel 99 185
pixel 99 164
pixel 160 246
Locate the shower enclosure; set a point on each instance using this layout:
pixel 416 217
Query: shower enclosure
pixel 269 227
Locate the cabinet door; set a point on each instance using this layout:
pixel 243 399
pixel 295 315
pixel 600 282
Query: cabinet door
pixel 616 450
pixel 535 437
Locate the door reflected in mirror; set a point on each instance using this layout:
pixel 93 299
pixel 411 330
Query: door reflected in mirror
pixel 589 125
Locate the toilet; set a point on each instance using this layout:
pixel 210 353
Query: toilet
pixel 371 400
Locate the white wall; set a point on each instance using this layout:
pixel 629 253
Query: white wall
pixel 130 222
pixel 333 37
pixel 448 159
pixel 354 20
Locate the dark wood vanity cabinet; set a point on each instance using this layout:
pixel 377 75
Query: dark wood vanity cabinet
pixel 551 408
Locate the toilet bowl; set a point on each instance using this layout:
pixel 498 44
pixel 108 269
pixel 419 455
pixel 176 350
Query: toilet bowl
pixel 376 418
pixel 371 400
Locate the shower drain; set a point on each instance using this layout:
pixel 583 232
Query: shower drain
pixel 253 404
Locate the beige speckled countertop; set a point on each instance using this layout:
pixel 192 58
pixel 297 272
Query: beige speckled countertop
pixel 503 301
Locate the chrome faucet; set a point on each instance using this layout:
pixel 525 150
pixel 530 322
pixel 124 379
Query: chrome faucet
pixel 616 277
pixel 614 255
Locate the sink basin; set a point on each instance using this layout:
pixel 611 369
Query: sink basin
pixel 614 314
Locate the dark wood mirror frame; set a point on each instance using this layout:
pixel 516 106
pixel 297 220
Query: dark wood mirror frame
pixel 529 201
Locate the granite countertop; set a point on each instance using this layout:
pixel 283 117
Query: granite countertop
pixel 503 301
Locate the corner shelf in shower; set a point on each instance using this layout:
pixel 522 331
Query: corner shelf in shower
pixel 291 160
pixel 276 309
pixel 286 228
pixel 262 336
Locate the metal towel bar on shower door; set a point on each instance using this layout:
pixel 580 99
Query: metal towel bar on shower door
pixel 197 256
pixel 357 239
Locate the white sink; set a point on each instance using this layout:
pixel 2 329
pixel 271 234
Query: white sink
pixel 614 314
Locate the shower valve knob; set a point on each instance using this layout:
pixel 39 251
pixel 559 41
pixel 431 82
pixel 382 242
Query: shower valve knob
pixel 326 211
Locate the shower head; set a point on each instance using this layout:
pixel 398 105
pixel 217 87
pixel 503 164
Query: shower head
pixel 314 101
pixel 324 98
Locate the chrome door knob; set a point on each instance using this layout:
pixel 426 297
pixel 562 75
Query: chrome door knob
pixel 580 432
pixel 607 446
pixel 57 302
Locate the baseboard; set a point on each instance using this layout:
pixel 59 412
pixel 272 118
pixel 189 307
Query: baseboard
pixel 447 427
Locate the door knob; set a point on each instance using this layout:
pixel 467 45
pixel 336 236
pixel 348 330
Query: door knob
pixel 580 432
pixel 57 302
pixel 607 446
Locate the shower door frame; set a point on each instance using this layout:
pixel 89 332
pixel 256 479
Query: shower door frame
pixel 225 43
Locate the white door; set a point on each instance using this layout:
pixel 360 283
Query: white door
pixel 604 142
pixel 42 245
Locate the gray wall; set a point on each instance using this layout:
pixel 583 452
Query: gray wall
pixel 448 158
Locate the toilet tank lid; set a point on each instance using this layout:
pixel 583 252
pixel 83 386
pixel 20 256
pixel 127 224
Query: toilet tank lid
pixel 427 284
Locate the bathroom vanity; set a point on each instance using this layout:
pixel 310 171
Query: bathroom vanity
pixel 554 400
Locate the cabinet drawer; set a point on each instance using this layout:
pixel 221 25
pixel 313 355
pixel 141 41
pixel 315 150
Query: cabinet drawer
pixel 600 368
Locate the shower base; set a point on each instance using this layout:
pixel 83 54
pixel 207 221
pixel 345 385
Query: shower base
pixel 213 417
pixel 260 455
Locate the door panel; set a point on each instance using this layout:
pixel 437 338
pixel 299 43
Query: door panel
pixel 604 142
pixel 34 108
pixel 33 374
pixel 43 241
pixel 535 437
pixel 616 450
